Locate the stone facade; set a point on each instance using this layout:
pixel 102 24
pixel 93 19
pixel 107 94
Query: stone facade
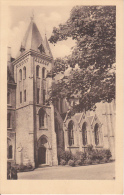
pixel 35 132
pixel 91 128
pixel 11 115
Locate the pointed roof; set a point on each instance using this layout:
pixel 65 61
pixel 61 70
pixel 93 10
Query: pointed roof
pixel 33 40
pixel 47 47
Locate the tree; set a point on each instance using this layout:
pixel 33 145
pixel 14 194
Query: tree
pixel 93 28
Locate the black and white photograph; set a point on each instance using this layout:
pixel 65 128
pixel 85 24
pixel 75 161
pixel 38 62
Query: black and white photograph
pixel 61 100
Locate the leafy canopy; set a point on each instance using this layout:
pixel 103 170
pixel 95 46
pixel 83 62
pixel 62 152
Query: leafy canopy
pixel 94 29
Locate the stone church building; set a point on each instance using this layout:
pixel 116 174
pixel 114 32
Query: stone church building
pixel 36 129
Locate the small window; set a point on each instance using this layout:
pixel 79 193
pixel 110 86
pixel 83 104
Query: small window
pixel 8 98
pixel 43 72
pixel 44 94
pixel 20 97
pixel 38 90
pixel 24 95
pixel 37 71
pixel 20 74
pixel 8 120
pixel 24 72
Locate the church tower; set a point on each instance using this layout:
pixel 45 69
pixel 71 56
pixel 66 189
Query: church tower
pixel 35 132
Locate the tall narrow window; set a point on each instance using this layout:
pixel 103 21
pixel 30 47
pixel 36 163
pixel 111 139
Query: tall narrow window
pixel 20 97
pixel 20 74
pixel 24 95
pixel 43 73
pixel 44 94
pixel 10 152
pixel 9 149
pixel 8 120
pixel 24 72
pixel 37 71
pixel 8 98
pixel 84 133
pixel 70 133
pixel 96 133
pixel 41 118
pixel 38 90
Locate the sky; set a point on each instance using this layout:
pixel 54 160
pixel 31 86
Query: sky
pixel 45 17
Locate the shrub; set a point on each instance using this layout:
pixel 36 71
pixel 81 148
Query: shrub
pixel 104 160
pixel 29 165
pixel 68 156
pixel 97 161
pixel 71 163
pixel 65 155
pixel 88 161
pixel 60 154
pixel 22 167
pixel 89 148
pixel 78 162
pixel 108 154
pixel 62 162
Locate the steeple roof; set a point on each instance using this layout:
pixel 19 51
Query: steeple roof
pixel 33 40
pixel 47 47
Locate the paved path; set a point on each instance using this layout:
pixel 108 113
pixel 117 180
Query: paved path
pixel 91 172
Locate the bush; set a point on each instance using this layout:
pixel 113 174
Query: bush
pixel 108 154
pixel 78 163
pixel 29 165
pixel 89 148
pixel 104 160
pixel 22 167
pixel 68 156
pixel 71 163
pixel 97 161
pixel 88 162
pixel 62 162
pixel 11 172
pixel 65 155
pixel 60 154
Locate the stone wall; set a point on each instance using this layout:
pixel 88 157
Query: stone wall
pixel 24 135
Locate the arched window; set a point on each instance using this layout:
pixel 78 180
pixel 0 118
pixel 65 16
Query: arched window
pixel 42 118
pixel 43 72
pixel 24 72
pixel 8 98
pixel 37 71
pixel 96 133
pixel 84 133
pixel 20 74
pixel 70 133
pixel 9 149
pixel 8 120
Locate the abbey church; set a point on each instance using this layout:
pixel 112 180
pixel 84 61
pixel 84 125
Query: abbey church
pixel 36 130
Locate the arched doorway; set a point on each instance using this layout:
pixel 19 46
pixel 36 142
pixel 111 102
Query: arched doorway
pixel 41 155
pixel 42 150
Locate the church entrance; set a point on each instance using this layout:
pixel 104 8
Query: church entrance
pixel 42 155
pixel 43 151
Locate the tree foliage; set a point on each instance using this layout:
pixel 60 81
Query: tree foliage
pixel 94 29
